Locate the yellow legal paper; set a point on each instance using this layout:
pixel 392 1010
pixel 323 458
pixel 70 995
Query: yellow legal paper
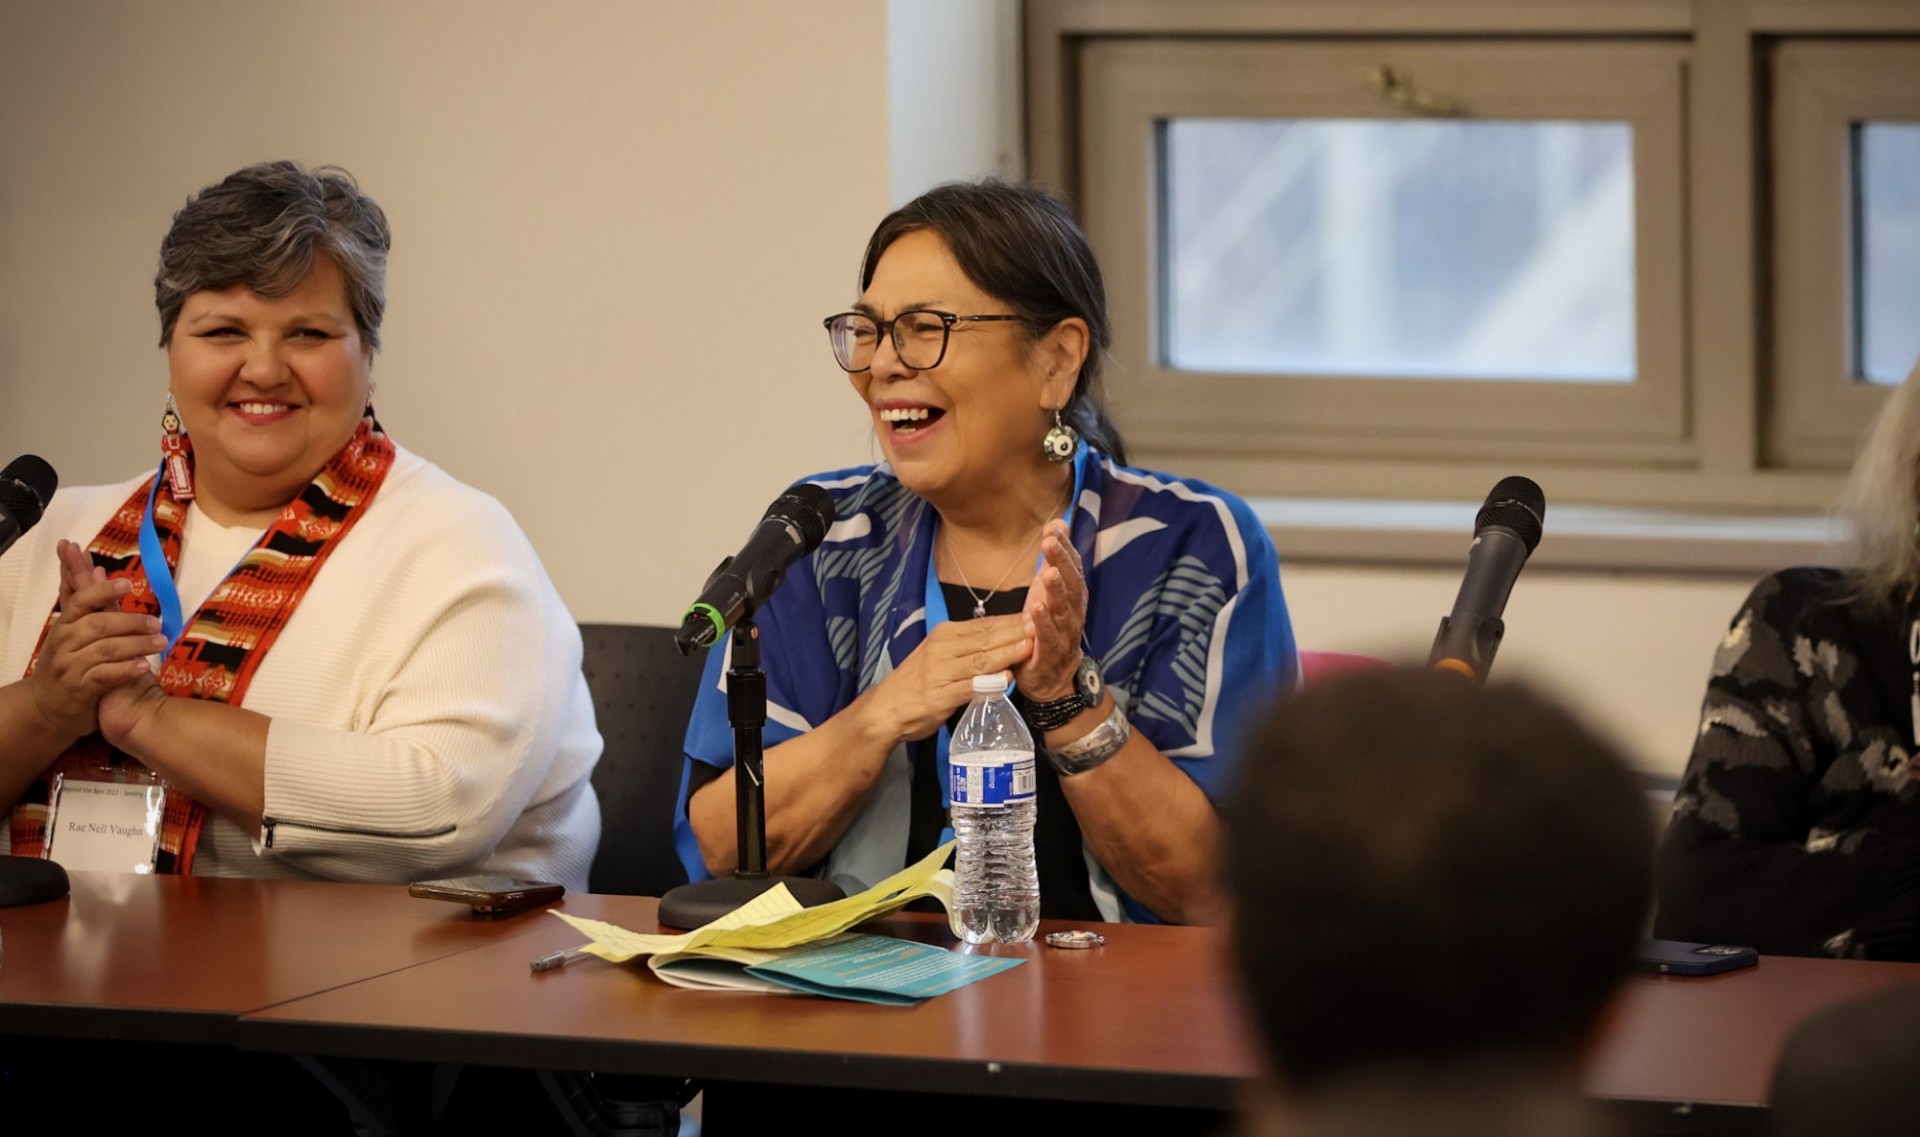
pixel 616 944
pixel 774 919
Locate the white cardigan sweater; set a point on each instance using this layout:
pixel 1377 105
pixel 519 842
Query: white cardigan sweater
pixel 429 714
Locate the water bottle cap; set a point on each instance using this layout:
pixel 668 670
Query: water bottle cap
pixel 994 684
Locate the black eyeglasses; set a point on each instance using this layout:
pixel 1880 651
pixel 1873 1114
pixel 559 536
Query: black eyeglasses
pixel 919 336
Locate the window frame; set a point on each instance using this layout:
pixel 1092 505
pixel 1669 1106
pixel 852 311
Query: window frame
pixel 1820 89
pixel 1730 362
pixel 1139 84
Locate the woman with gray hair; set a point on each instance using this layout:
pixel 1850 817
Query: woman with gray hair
pixel 301 650
pixel 1797 826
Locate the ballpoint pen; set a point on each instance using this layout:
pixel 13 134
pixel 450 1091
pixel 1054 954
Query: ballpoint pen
pixel 558 959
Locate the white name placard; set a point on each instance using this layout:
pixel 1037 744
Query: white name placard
pixel 105 826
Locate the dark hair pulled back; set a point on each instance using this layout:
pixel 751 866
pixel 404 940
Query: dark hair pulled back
pixel 1020 244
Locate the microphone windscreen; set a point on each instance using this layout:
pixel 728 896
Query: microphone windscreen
pixel 809 508
pixel 26 485
pixel 1516 503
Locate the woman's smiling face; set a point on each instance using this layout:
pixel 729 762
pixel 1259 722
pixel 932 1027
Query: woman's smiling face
pixel 269 388
pixel 979 413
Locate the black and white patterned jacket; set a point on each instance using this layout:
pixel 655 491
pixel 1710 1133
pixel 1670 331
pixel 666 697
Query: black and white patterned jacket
pixel 1796 829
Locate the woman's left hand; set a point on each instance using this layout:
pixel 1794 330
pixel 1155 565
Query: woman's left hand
pixel 126 705
pixel 1056 614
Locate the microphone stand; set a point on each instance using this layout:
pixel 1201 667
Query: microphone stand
pixel 702 902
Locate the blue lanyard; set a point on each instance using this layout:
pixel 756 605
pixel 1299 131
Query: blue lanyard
pixel 153 561
pixel 936 613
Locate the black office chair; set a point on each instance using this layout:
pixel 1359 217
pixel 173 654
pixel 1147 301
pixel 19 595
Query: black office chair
pixel 643 691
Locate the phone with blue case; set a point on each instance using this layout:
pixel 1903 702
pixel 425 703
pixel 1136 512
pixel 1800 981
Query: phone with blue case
pixel 1672 957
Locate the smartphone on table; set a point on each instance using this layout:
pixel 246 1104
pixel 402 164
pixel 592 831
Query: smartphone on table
pixel 489 895
pixel 1673 957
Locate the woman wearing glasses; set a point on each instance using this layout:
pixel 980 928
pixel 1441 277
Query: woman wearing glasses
pixel 1139 614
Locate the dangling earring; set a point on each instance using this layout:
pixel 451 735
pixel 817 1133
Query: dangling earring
pixel 1061 441
pixel 173 444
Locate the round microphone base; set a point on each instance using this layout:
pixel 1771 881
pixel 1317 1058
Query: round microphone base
pixel 702 902
pixel 30 880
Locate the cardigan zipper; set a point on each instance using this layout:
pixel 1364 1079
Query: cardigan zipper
pixel 269 824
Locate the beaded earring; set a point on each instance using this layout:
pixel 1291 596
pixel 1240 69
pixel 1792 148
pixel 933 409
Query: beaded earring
pixel 1061 441
pixel 173 444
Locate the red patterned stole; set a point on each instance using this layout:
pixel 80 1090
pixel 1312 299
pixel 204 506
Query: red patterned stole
pixel 225 641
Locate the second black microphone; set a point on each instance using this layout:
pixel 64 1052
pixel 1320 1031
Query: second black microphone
pixel 1504 534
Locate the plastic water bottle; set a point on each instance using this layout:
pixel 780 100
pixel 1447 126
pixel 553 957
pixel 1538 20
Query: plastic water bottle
pixel 996 886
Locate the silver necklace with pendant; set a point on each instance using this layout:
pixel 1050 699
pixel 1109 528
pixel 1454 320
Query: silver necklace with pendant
pixel 980 599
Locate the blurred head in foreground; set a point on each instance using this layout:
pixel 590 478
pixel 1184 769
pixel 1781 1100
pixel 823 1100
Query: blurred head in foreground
pixel 1425 871
pixel 1846 1071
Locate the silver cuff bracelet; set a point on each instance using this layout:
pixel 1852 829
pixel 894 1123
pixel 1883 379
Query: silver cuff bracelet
pixel 1094 747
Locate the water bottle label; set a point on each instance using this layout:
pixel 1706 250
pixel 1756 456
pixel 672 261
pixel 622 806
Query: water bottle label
pixel 983 779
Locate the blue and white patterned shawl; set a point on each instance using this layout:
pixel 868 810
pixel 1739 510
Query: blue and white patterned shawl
pixel 1184 613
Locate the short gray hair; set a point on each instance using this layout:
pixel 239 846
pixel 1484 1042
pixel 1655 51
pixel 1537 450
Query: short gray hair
pixel 262 226
pixel 1882 500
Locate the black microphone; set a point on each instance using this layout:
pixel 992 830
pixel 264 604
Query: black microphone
pixel 26 485
pixel 1504 533
pixel 794 526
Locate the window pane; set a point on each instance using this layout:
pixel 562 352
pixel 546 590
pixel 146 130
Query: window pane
pixel 1414 249
pixel 1887 250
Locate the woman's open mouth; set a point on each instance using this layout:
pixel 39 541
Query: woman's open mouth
pixel 905 424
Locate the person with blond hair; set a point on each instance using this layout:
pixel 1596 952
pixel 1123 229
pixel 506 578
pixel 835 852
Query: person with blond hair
pixel 1796 829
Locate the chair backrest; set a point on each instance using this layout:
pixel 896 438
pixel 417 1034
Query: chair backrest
pixel 643 692
pixel 1318 665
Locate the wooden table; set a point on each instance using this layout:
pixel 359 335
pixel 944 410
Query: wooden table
pixel 1150 1019
pixel 179 959
pixel 1713 1039
pixel 1146 1020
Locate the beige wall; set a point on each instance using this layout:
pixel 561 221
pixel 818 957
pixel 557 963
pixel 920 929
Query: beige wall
pixel 617 225
pixel 1631 652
